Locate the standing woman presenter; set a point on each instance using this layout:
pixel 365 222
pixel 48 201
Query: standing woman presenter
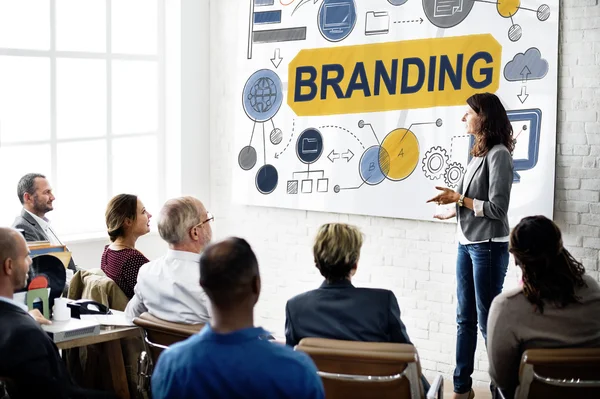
pixel 482 201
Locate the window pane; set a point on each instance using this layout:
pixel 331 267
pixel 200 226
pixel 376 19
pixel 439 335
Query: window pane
pixel 134 97
pixel 134 26
pixel 81 98
pixel 15 162
pixel 135 169
pixel 24 99
pixel 25 24
pixel 80 187
pixel 81 25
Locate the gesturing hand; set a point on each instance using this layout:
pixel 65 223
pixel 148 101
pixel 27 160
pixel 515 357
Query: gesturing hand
pixel 447 196
pixel 445 216
pixel 39 317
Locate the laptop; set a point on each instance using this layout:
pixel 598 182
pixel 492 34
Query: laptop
pixel 60 331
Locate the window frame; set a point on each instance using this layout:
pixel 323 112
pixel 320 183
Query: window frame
pixel 108 56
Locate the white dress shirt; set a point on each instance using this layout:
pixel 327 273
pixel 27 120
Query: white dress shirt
pixel 45 225
pixel 169 288
pixel 13 302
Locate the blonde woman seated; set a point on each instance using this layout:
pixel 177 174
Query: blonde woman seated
pixel 337 309
pixel 126 220
pixel 556 307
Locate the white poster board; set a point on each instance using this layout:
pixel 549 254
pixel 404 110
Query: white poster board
pixel 355 106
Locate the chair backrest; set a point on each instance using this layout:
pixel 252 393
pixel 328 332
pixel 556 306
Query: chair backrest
pixel 160 334
pixel 560 373
pixel 352 369
pixel 93 284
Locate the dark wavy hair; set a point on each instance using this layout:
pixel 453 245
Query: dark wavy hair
pixel 550 273
pixel 494 127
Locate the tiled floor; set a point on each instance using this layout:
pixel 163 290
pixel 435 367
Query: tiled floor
pixel 480 393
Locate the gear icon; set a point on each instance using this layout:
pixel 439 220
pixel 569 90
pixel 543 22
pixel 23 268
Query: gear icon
pixel 453 174
pixel 435 162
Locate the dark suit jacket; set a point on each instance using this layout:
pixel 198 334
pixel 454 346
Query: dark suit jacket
pixel 29 358
pixel 342 311
pixel 32 231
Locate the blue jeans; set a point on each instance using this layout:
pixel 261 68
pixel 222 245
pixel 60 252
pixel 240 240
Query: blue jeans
pixel 480 272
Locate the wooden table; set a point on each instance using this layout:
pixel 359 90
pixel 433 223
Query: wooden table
pixel 111 347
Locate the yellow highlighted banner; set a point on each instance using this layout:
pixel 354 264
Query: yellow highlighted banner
pixel 393 76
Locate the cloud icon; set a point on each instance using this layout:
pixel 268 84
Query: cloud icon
pixel 528 66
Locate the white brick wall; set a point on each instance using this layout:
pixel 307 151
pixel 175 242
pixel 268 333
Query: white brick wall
pixel 414 259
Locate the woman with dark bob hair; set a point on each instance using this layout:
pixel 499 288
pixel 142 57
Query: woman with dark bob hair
pixel 482 201
pixel 126 220
pixel 557 306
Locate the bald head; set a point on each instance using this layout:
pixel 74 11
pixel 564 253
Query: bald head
pixel 229 273
pixel 180 222
pixel 14 261
pixel 9 240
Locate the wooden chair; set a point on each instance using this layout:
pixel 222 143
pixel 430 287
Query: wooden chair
pixel 158 335
pixel 352 369
pixel 559 373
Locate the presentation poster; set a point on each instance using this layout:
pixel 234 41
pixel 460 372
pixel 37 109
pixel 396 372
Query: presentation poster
pixel 355 106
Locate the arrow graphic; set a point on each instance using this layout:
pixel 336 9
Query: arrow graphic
pixel 336 155
pixel 303 2
pixel 348 155
pixel 525 73
pixel 333 156
pixel 410 21
pixel 276 60
pixel 278 154
pixel 523 96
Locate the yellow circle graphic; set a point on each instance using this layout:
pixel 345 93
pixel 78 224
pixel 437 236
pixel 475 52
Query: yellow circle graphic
pixel 508 8
pixel 402 148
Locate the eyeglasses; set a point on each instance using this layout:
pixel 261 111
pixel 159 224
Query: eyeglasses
pixel 209 218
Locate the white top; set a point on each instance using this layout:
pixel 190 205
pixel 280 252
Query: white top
pixel 478 211
pixel 169 288
pixel 13 302
pixel 45 225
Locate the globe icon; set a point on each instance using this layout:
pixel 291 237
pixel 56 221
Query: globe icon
pixel 263 95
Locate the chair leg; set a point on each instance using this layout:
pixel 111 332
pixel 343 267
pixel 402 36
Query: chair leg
pixel 144 372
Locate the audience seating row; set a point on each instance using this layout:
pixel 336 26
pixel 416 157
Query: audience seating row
pixel 384 370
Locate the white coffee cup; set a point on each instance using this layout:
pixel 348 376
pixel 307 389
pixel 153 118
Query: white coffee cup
pixel 61 311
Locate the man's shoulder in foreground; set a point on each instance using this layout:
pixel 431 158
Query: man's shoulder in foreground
pixel 251 365
pixel 203 344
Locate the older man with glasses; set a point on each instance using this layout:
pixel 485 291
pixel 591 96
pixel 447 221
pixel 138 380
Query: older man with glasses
pixel 168 287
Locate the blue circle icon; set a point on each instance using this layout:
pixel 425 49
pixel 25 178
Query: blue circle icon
pixel 397 2
pixel 309 146
pixel 374 165
pixel 337 19
pixel 266 179
pixel 263 95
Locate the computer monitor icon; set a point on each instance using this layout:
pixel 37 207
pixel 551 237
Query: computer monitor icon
pixel 337 17
pixel 526 125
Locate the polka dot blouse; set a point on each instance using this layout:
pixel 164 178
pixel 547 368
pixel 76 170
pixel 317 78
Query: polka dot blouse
pixel 122 267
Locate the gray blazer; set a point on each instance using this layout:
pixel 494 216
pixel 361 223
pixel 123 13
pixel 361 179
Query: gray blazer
pixel 490 180
pixel 32 231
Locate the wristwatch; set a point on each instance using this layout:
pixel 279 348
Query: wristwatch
pixel 461 200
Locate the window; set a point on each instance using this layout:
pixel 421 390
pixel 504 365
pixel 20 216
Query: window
pixel 82 100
